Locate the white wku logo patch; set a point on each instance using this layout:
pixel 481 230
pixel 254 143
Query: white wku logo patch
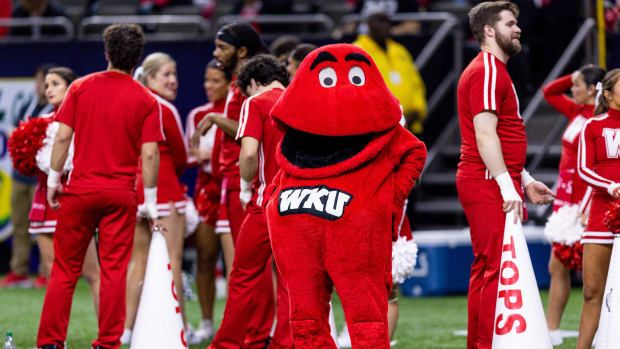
pixel 612 142
pixel 319 201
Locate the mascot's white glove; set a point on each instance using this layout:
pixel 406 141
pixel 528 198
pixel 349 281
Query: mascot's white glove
pixel 245 195
pixel 506 188
pixel 149 208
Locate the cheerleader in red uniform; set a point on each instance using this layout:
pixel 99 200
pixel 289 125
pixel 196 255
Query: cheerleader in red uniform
pixel 42 218
pixel 572 191
pixel 159 74
pixel 599 167
pixel 207 195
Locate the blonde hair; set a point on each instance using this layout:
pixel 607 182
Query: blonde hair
pixel 151 64
pixel 610 79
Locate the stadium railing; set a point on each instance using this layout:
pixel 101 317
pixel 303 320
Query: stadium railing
pixel 186 27
pixel 587 29
pixel 37 24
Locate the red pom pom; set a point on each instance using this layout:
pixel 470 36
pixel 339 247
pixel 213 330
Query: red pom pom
pixel 207 198
pixel 569 256
pixel 612 218
pixel 24 144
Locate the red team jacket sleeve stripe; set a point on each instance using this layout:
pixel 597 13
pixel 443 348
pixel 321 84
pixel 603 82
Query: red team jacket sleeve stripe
pixel 493 82
pixel 485 92
pixel 250 114
pixel 490 82
pixel 485 84
pixel 586 156
pixel 243 119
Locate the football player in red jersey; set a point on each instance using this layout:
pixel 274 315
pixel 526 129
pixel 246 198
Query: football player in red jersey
pixel 490 174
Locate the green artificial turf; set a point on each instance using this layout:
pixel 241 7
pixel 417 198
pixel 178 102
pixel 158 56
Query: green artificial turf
pixel 424 322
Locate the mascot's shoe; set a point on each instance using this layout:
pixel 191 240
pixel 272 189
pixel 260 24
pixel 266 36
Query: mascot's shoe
pixel 556 337
pixel 344 340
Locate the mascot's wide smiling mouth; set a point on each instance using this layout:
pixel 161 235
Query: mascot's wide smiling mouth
pixel 306 150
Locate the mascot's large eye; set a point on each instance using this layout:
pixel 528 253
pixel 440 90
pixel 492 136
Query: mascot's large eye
pixel 327 77
pixel 356 76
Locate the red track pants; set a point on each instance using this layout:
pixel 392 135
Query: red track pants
pixel 114 213
pixel 261 318
pixel 482 202
pixel 249 278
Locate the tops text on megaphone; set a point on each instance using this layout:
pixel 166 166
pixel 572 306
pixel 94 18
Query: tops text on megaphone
pixel 513 299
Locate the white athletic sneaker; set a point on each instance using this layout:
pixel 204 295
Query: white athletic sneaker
pixel 205 330
pixel 344 340
pixel 126 337
pixel 190 335
pixel 556 337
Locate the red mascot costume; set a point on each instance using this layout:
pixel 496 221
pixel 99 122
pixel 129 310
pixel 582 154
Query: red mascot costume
pixel 347 167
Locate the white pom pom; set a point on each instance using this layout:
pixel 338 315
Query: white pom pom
pixel 44 155
pixel 563 226
pixel 404 258
pixel 191 218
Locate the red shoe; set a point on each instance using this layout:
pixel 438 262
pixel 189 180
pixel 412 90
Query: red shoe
pixel 40 282
pixel 12 280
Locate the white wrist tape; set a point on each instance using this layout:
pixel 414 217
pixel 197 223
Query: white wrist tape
pixel 149 208
pixel 245 195
pixel 150 195
pixel 610 189
pixel 526 178
pixel 506 187
pixel 53 178
pixel 245 185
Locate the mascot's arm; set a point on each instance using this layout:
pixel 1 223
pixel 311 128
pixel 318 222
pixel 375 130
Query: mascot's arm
pixel 408 154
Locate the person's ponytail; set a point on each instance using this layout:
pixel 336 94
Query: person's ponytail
pixel 601 103
pixel 608 83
